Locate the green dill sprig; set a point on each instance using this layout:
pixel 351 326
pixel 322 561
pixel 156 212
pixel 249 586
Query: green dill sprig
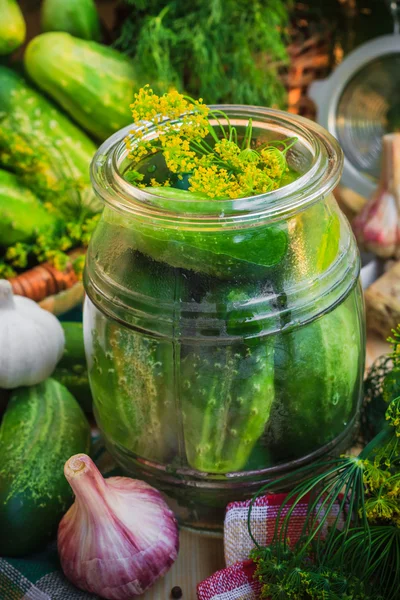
pixel 381 386
pixel 225 52
pixel 51 246
pixel 297 578
pixel 391 383
pixel 351 531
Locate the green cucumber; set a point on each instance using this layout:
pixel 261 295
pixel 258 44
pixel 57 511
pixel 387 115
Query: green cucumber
pixel 41 145
pixel 227 390
pixel 227 393
pixel 132 375
pixel 77 17
pixel 22 215
pixel 93 83
pixel 133 385
pixel 42 427
pixel 317 375
pixel 71 371
pixel 223 253
pixel 12 27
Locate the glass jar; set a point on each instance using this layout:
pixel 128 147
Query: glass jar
pixel 224 338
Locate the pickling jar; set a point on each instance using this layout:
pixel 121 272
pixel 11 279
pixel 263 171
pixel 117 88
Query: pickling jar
pixel 225 338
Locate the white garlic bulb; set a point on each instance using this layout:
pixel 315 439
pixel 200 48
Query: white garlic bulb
pixel 31 340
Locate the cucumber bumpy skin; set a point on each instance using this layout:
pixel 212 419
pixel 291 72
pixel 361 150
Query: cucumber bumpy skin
pixel 42 427
pixel 227 394
pixel 132 374
pixel 44 147
pixel 22 215
pixel 317 367
pixel 95 84
pixel 132 381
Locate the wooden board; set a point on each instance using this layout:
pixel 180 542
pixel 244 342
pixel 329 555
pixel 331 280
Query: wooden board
pixel 200 556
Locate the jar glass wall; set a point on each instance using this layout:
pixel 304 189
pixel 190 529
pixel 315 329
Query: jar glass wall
pixel 225 338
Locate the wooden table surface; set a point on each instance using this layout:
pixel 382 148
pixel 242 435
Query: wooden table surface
pixel 200 556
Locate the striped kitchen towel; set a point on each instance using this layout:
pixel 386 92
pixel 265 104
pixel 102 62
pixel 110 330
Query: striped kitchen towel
pixel 236 582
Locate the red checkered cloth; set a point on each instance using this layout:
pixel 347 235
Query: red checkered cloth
pixel 236 581
pixel 232 583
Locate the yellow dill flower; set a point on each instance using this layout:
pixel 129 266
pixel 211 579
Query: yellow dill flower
pixel 155 183
pixel 146 105
pixel 374 477
pixel 253 181
pixel 394 490
pixel 273 162
pixel 142 150
pixel 393 415
pixel 213 182
pixel 128 143
pixel 206 160
pixel 228 151
pixel 178 156
pixel 381 507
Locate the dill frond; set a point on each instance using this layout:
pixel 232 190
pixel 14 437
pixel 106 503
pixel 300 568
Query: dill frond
pixel 349 546
pixel 224 51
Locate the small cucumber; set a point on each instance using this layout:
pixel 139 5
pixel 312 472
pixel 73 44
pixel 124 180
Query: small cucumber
pixel 12 27
pixel 94 84
pixel 22 215
pixel 77 17
pixel 71 371
pixel 41 145
pixel 42 427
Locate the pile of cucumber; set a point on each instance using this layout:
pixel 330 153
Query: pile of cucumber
pixel 69 93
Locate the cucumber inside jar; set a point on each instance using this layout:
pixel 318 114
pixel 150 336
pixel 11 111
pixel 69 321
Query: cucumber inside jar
pixel 227 387
pixel 223 253
pixel 227 393
pixel 317 374
pixel 133 384
pixel 133 373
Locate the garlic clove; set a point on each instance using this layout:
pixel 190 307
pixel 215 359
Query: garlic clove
pixel 377 227
pixel 118 537
pixel 6 295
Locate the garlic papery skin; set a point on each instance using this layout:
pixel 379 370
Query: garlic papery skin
pixel 31 340
pixel 118 537
pixel 377 227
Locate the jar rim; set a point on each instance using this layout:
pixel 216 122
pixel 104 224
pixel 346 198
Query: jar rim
pixel 320 178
